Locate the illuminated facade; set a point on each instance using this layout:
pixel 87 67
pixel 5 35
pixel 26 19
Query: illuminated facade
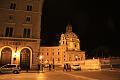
pixel 67 51
pixel 20 22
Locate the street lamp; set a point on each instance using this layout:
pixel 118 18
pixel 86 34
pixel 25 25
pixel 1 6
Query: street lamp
pixel 41 65
pixel 16 55
pixel 40 57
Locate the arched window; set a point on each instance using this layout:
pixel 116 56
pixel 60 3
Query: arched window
pixel 6 55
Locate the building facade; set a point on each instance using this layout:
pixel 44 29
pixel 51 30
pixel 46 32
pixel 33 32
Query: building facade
pixel 20 26
pixel 67 51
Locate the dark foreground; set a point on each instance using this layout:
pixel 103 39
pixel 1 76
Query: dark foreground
pixel 60 75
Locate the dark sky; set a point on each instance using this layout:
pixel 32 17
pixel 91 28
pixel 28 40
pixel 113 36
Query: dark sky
pixel 96 23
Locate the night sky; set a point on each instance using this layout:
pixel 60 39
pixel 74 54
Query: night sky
pixel 97 24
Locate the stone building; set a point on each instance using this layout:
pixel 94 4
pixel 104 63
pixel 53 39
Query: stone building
pixel 20 26
pixel 67 51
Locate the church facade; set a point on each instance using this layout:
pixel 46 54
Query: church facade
pixel 20 26
pixel 67 51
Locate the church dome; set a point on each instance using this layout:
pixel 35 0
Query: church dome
pixel 70 39
pixel 69 35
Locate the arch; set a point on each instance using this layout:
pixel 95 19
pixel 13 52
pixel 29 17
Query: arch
pixel 5 47
pixel 6 55
pixel 25 58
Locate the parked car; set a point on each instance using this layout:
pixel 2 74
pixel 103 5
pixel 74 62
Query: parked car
pixel 10 68
pixel 76 67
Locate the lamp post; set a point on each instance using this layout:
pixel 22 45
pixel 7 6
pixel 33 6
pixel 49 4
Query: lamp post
pixel 41 65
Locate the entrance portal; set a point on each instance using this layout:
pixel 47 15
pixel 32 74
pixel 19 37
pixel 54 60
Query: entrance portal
pixel 6 55
pixel 25 59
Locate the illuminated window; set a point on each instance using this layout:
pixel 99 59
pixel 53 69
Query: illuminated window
pixel 12 6
pixel 29 8
pixel 26 33
pixel 9 32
